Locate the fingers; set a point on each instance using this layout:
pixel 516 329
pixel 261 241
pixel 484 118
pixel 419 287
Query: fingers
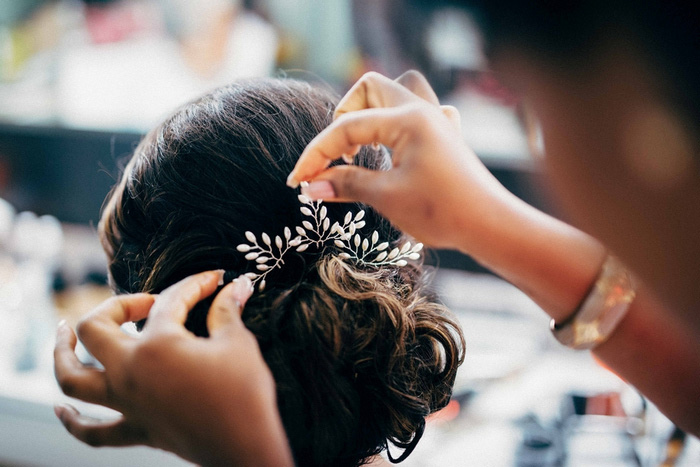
pixel 374 99
pixel 74 378
pixel 418 85
pixel 225 312
pixel 348 183
pixel 116 311
pixel 385 126
pixel 170 309
pixel 100 330
pixel 373 91
pixel 96 432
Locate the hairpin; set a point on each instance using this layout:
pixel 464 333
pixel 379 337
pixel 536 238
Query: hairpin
pixel 268 254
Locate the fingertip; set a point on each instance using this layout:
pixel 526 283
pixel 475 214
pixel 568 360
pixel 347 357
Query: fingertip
pixel 235 293
pixel 62 411
pixel 221 273
pixel 411 75
pixel 241 290
pixel 346 183
pixel 146 298
pixel 319 190
pixel 208 277
pixel 64 334
pixel 452 115
pixel 225 300
pixel 197 286
pixel 133 307
pixel 61 328
pixel 418 84
pixel 170 309
pixel 292 181
pixel 228 304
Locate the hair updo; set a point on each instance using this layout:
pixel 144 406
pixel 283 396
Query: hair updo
pixel 360 354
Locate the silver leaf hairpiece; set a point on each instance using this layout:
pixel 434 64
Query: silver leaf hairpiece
pixel 268 254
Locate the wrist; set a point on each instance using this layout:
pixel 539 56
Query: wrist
pixel 479 224
pixel 607 302
pixel 264 442
pixel 551 261
pixel 260 434
pixel 247 429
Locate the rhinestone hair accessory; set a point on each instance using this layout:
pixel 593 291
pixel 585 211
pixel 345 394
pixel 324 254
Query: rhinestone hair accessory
pixel 268 253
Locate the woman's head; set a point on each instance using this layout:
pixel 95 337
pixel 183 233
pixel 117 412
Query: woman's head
pixel 360 353
pixel 614 87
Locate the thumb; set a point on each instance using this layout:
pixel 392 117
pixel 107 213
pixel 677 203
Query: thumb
pixel 225 312
pixel 346 183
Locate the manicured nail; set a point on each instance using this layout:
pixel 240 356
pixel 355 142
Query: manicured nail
pixel 207 276
pixel 376 146
pixel 61 323
pixel 319 190
pixel 221 273
pixel 348 158
pixel 292 182
pixel 242 289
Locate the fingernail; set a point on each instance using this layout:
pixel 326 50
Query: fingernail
pixel 58 410
pixel 221 273
pixel 347 158
pixel 319 190
pixel 376 146
pixel 292 182
pixel 61 328
pixel 242 289
pixel 207 276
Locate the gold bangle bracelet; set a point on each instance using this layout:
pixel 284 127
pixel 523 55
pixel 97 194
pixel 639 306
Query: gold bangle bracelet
pixel 601 311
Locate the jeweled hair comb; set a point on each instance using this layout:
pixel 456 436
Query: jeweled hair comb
pixel 268 254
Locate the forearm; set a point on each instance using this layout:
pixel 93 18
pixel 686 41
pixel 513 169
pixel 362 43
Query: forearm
pixel 556 264
pixel 659 356
pixel 551 261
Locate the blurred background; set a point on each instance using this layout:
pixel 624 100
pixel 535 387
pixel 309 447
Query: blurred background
pixel 82 81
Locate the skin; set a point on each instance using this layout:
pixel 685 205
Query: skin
pixel 170 385
pixel 442 194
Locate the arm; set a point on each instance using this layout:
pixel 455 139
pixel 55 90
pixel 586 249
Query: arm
pixel 556 265
pixel 441 193
pixel 660 356
pixel 211 401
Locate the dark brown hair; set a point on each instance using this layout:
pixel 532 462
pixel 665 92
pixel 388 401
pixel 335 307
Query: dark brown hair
pixel 360 354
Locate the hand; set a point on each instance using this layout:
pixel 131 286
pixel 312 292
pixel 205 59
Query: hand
pixel 437 186
pixel 209 400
